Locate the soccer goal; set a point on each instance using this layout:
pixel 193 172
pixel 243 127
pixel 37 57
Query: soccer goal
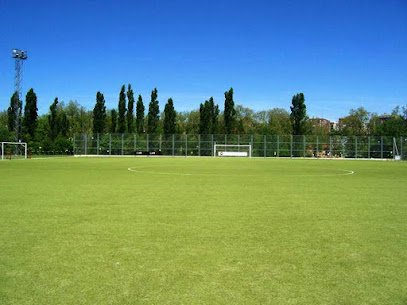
pixel 232 150
pixel 396 153
pixel 13 150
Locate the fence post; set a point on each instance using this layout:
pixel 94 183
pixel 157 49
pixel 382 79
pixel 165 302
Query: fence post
pixel 265 145
pixel 86 144
pixel 199 145
pixel 110 143
pixel 401 147
pixel 278 146
pixel 160 143
pixel 251 143
pixel 173 145
pixel 381 147
pixel 356 147
pixel 186 145
pixel 212 147
pixel 97 144
pixel 368 147
pixel 122 143
pixel 148 142
pixel 303 143
pixel 135 143
pixel 330 147
pixel 73 146
pixel 291 146
pixel 317 147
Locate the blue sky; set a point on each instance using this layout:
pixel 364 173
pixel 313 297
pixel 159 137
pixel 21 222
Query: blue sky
pixel 340 54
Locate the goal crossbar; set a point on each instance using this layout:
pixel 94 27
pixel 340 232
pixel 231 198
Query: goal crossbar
pixel 3 144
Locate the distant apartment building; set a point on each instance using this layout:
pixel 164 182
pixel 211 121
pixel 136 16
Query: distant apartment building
pixel 324 126
pixel 385 117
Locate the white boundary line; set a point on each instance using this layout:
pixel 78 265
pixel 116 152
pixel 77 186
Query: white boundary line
pixel 133 169
pixel 211 157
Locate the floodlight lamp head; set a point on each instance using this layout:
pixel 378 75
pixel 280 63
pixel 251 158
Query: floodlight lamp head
pixel 19 54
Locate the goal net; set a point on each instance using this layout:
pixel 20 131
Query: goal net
pixel 13 150
pixel 232 150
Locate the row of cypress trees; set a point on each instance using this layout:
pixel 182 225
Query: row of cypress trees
pixel 56 129
pixel 123 119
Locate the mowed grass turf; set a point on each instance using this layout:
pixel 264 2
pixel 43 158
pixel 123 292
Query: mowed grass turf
pixel 202 231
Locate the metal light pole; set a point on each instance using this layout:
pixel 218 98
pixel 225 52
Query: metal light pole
pixel 19 57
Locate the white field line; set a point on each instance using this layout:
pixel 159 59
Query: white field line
pixel 346 172
pixel 212 157
pixel 23 159
pixel 133 169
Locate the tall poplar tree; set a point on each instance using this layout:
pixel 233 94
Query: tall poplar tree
pixel 204 118
pixel 208 117
pixel 30 113
pixel 230 112
pixel 214 116
pixel 12 111
pixel 62 122
pixel 113 116
pixel 140 115
pixel 121 121
pixel 53 120
pixel 99 114
pixel 169 118
pixel 298 114
pixel 153 115
pixel 130 109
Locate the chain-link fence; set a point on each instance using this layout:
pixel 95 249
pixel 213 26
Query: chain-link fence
pixel 380 147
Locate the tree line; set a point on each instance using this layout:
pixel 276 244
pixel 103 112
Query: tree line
pixel 54 131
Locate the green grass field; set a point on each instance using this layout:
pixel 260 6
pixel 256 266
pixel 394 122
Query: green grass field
pixel 202 231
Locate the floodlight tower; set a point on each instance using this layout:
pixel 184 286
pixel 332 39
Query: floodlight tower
pixel 19 57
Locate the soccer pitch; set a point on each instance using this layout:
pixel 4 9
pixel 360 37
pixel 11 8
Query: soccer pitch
pixel 202 231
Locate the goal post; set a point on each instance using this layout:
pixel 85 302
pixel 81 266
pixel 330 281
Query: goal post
pixel 232 150
pixel 16 149
pixel 396 153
